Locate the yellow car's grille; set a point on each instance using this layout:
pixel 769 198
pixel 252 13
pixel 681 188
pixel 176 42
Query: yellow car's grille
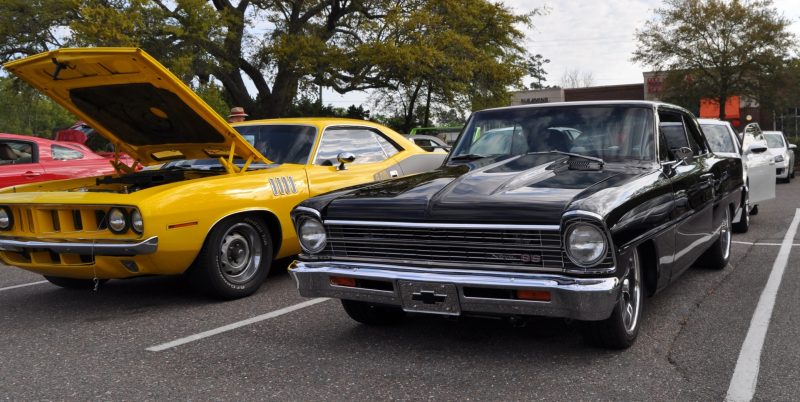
pixel 69 221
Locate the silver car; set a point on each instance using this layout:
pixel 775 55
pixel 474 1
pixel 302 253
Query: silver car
pixel 783 152
pixel 757 163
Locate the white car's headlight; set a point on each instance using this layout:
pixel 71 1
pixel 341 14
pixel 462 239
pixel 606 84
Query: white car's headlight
pixel 311 232
pixel 6 218
pixel 586 244
pixel 117 220
pixel 778 158
pixel 137 224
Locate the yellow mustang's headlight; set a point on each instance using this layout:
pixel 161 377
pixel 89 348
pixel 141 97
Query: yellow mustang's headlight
pixel 117 220
pixel 6 218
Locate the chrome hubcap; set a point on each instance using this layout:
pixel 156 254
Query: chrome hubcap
pixel 240 253
pixel 631 296
pixel 725 234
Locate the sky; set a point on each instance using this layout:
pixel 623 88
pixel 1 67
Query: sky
pixel 591 36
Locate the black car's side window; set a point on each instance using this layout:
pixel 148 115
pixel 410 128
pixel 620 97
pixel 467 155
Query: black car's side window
pixel 696 141
pixel 366 144
pixel 676 132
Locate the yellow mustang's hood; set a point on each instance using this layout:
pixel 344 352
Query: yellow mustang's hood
pixel 135 102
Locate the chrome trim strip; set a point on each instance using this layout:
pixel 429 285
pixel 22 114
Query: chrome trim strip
pixel 291 182
pixel 98 248
pixel 274 188
pixel 311 211
pixel 443 225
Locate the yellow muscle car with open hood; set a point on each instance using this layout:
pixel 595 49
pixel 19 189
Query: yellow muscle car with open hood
pixel 217 209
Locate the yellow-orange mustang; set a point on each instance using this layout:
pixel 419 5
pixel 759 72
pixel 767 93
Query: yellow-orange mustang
pixel 217 207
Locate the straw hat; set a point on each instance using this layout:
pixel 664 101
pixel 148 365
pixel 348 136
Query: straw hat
pixel 237 111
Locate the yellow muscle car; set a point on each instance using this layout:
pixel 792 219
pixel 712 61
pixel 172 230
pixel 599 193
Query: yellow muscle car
pixel 217 209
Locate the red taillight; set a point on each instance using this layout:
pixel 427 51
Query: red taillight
pixel 342 281
pixel 536 295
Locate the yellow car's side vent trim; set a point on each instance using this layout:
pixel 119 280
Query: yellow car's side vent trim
pixel 283 185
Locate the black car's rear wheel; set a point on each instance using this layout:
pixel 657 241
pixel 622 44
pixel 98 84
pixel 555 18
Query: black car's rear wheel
pixel 744 219
pixel 717 256
pixel 235 259
pixel 621 329
pixel 373 314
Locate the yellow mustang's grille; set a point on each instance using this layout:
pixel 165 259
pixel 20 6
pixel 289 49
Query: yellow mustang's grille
pixel 282 185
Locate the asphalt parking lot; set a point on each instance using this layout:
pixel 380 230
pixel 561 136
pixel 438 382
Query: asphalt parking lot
pixel 153 338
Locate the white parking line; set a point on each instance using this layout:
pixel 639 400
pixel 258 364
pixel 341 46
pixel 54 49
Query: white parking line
pixel 239 324
pixel 749 243
pixel 745 376
pixel 22 286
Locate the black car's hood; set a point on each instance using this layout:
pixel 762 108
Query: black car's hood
pixel 522 189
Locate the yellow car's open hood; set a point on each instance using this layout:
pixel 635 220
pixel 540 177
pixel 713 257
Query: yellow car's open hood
pixel 135 102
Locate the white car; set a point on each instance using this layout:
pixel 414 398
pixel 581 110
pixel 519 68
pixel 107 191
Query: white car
pixel 757 163
pixel 783 152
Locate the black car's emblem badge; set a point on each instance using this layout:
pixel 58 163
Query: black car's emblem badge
pixel 428 297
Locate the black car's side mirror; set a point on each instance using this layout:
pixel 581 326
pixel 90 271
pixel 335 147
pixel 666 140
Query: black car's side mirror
pixel 343 158
pixel 683 154
pixel 756 148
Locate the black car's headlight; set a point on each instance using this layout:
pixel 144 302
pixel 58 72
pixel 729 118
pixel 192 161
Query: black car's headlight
pixel 118 221
pixel 311 233
pixel 586 244
pixel 6 218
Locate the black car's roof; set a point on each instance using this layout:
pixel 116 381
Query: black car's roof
pixel 589 103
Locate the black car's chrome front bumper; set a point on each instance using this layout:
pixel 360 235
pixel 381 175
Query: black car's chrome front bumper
pixel 578 298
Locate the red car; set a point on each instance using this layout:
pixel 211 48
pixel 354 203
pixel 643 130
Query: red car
pixel 26 159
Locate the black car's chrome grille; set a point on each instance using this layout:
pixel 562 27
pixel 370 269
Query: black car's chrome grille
pixel 467 247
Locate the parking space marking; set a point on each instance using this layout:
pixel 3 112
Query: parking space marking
pixel 235 325
pixel 24 285
pixel 749 243
pixel 745 375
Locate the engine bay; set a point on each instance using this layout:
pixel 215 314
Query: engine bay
pixel 133 182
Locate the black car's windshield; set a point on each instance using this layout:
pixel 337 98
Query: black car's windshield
pixel 281 143
pixel 719 138
pixel 609 132
pixel 774 140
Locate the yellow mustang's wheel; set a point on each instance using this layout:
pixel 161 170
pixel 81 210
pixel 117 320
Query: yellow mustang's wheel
pixel 235 259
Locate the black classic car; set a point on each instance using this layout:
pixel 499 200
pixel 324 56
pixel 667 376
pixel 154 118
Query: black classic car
pixel 575 210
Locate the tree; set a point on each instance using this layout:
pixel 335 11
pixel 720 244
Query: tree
pixel 535 69
pixel 576 79
pixel 715 48
pixel 23 110
pixel 263 51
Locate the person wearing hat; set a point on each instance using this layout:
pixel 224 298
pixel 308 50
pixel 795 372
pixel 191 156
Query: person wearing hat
pixel 237 115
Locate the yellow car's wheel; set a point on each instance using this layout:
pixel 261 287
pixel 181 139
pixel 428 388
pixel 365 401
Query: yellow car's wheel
pixel 235 259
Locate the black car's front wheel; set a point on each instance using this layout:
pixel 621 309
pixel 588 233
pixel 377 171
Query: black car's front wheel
pixel 235 259
pixel 620 330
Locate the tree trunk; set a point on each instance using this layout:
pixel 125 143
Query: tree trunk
pixel 410 112
pixel 723 99
pixel 427 107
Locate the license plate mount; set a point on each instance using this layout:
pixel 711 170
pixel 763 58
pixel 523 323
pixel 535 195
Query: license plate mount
pixel 429 297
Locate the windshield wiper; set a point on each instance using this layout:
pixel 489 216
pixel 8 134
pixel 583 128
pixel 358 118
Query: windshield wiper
pixel 468 157
pixel 591 158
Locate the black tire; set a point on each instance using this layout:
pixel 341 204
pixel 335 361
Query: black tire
pixel 791 174
pixel 754 211
pixel 621 329
pixel 744 218
pixel 717 256
pixel 235 259
pixel 72 283
pixel 373 314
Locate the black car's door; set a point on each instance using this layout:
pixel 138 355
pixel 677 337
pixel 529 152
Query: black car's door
pixel 693 186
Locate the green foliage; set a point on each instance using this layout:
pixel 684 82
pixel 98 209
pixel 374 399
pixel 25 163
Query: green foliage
pixel 462 53
pixel 308 107
pixel 212 94
pixel 716 48
pixel 24 110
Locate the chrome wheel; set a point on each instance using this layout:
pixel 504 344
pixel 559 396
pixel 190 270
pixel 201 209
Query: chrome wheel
pixel 725 235
pixel 240 253
pixel 631 296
